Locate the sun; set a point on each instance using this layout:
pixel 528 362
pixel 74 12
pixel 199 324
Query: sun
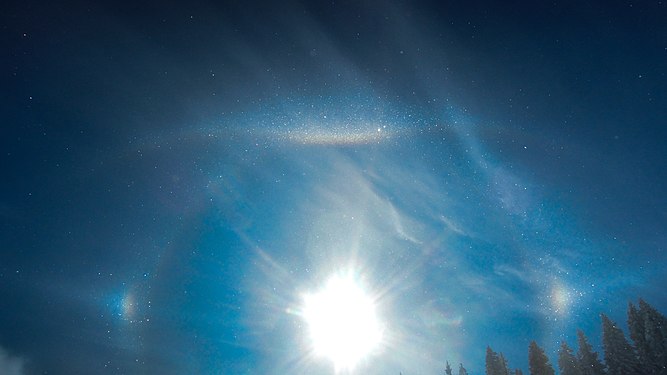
pixel 342 322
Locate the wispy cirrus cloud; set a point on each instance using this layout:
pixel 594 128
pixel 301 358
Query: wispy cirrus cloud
pixel 10 364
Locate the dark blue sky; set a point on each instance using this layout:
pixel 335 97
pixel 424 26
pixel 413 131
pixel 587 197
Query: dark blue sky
pixel 178 175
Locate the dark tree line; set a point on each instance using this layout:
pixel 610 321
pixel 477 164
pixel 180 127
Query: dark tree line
pixel 645 355
pixel 462 370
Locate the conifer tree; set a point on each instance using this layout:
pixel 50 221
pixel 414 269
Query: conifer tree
pixel 589 364
pixel 503 366
pixel 448 369
pixel 648 330
pixel 518 372
pixel 496 364
pixel 492 360
pixel 538 362
pixel 462 370
pixel 656 328
pixel 637 330
pixel 619 355
pixel 567 362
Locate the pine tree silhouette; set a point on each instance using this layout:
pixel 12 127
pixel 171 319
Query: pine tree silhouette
pixel 496 364
pixel 589 364
pixel 648 331
pixel 567 362
pixel 648 356
pixel 619 355
pixel 538 362
pixel 491 362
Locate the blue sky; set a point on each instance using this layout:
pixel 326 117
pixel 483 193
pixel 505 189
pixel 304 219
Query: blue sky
pixel 179 176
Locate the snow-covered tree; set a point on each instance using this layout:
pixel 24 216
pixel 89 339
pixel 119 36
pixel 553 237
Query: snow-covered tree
pixel 589 364
pixel 491 362
pixel 619 355
pixel 648 330
pixel 503 366
pixel 448 369
pixel 538 362
pixel 567 362
pixel 462 370
pixel 496 364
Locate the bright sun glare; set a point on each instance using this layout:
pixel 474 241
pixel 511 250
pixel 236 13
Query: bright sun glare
pixel 342 322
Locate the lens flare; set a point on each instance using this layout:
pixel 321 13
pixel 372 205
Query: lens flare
pixel 343 323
